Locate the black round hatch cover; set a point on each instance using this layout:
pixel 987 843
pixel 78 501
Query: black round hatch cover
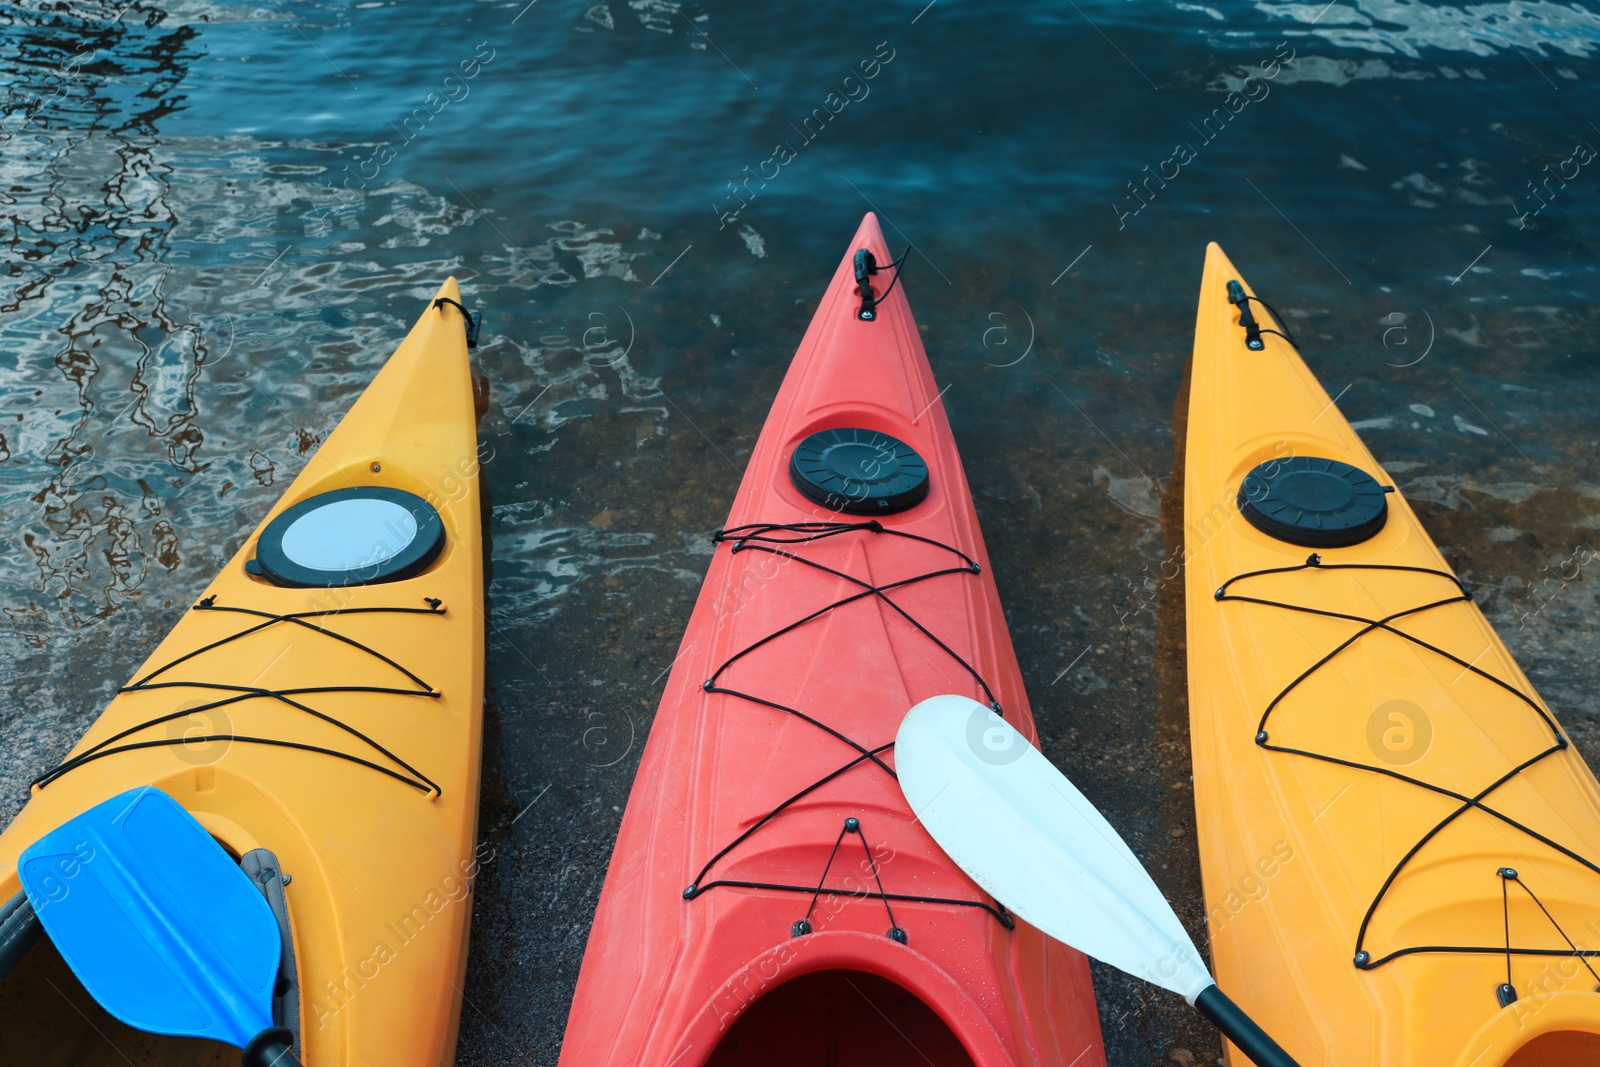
pixel 860 472
pixel 1311 501
pixel 357 536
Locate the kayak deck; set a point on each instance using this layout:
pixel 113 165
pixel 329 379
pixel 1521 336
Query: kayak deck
pixel 768 875
pixel 1396 835
pixel 339 728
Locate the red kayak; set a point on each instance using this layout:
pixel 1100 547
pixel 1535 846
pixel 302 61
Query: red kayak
pixel 771 899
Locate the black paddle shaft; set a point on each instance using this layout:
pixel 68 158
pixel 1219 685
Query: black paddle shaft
pixel 1241 1030
pixel 270 1048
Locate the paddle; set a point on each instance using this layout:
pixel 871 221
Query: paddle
pixel 160 924
pixel 1024 833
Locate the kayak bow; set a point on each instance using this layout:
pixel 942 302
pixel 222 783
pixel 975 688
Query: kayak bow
pixel 1398 842
pixel 771 898
pixel 318 711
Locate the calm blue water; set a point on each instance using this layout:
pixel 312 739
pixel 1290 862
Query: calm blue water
pixel 221 217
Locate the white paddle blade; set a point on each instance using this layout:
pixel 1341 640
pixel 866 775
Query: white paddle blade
pixel 1024 833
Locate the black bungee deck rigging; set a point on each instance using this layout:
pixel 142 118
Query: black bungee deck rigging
pixel 239 693
pixel 772 538
pixel 1363 957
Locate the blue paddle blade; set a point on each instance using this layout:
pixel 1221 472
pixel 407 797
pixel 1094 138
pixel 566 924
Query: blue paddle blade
pixel 156 920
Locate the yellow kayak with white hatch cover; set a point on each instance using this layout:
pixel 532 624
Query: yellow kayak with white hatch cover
pixel 318 709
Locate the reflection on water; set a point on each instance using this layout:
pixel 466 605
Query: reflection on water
pixel 220 219
pixel 87 275
pixel 1397 27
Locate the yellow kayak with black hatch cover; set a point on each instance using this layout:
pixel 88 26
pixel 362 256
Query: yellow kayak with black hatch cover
pixel 318 709
pixel 1399 844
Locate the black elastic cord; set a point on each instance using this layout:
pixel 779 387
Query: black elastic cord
pixel 1505 905
pixel 898 265
pixel 1513 876
pixel 768 537
pixel 422 786
pixel 1283 332
pixel 851 825
pixel 239 693
pixel 895 932
pixel 1001 915
pixel 804 925
pixel 1468 803
pixel 762 534
pixel 1472 802
pixel 244 693
pixel 299 619
pixel 472 322
pixel 695 888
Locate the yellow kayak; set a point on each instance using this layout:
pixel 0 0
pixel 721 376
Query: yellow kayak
pixel 1399 845
pixel 319 710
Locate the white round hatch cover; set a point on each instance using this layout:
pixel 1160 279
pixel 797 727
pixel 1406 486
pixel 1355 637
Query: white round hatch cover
pixel 351 536
pixel 347 534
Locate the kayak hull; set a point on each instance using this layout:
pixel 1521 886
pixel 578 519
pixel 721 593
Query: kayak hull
pixel 711 974
pixel 381 854
pixel 1340 711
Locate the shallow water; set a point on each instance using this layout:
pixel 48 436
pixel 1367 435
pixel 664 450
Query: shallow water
pixel 222 216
